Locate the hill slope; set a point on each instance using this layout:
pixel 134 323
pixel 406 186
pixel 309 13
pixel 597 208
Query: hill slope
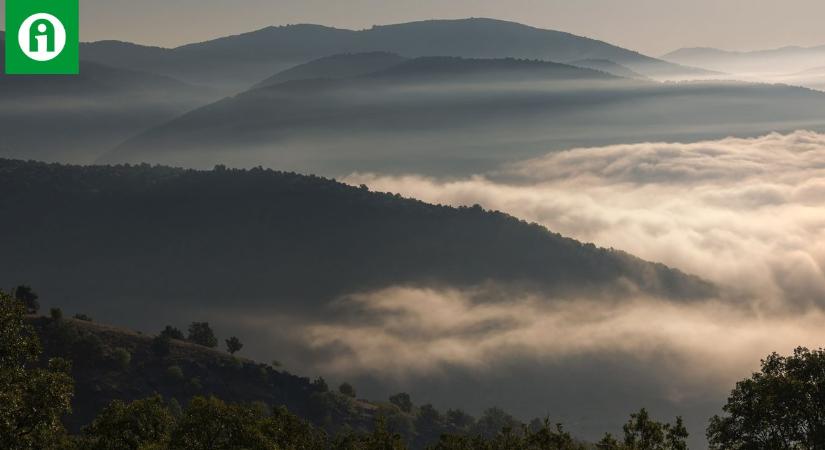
pixel 608 66
pixel 247 58
pixel 159 240
pixel 196 370
pixel 460 116
pixel 76 118
pixel 336 66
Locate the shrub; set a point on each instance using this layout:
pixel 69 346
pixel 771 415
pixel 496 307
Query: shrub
pixel 174 373
pixel 122 358
pixel 347 389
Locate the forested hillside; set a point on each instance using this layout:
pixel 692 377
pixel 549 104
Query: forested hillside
pixel 172 237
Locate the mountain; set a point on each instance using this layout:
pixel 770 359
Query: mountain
pixel 77 117
pixel 447 116
pixel 336 122
pixel 337 66
pixel 244 59
pixel 783 60
pixel 608 66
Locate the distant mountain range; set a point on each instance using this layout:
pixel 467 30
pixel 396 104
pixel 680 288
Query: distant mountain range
pixel 337 66
pixel 239 61
pixel 447 115
pixel 607 66
pixel 785 60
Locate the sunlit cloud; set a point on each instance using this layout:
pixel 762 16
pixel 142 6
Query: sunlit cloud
pixel 407 332
pixel 748 214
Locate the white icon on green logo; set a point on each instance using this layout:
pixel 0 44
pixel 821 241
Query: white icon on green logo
pixel 42 37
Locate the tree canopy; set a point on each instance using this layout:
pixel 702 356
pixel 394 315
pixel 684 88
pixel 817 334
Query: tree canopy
pixel 780 407
pixel 33 399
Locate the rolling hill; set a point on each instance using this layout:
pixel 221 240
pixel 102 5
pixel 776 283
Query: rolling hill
pixel 783 60
pixel 443 115
pixel 181 239
pixel 242 60
pixel 608 66
pixel 76 118
pixel 336 66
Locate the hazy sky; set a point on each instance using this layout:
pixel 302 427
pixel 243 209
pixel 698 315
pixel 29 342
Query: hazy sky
pixel 650 26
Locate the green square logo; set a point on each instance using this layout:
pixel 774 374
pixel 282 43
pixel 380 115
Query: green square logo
pixel 42 37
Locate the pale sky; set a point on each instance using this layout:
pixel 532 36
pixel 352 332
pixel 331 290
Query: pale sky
pixel 649 26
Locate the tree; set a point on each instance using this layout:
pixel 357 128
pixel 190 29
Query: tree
pixel 779 407
pixel 641 432
pixel 32 399
pixel 493 421
pixel 402 401
pixel 233 345
pixel 429 424
pixel 459 420
pixel 211 424
pixel 320 384
pixel 28 297
pixel 56 314
pixel 201 333
pixel 347 389
pixel 133 426
pixel 172 333
pixel 608 442
pixel 379 439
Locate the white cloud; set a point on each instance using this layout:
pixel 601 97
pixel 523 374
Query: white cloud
pixel 698 347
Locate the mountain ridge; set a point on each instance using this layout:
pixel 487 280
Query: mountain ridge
pixel 247 58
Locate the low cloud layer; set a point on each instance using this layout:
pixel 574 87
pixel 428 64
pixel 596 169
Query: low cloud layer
pixel 744 213
pixel 427 330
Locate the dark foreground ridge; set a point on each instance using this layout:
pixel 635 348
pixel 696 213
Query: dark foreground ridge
pixel 138 238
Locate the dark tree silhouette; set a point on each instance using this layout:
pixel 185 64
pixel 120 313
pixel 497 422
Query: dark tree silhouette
pixel 347 389
pixel 233 345
pixel 402 401
pixel 201 333
pixel 172 333
pixel 25 294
